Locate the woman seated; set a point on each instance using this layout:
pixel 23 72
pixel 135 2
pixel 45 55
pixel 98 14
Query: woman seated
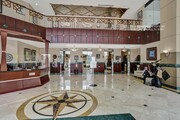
pixel 146 74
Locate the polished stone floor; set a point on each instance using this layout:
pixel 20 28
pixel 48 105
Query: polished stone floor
pixel 115 93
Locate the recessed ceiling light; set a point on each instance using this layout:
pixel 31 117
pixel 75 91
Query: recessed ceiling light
pixel 36 3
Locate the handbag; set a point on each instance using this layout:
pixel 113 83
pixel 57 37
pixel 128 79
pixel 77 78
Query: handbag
pixel 165 75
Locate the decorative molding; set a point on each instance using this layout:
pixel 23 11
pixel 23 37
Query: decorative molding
pixel 88 20
pixel 105 21
pixel 35 14
pixel 50 18
pixel 7 3
pixel 64 19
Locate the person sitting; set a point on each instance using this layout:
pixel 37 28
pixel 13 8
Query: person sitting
pixel 145 74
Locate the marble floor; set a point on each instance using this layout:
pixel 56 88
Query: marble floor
pixel 115 93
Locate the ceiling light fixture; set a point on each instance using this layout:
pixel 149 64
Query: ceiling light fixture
pixel 100 49
pixel 124 49
pixel 166 53
pixel 36 4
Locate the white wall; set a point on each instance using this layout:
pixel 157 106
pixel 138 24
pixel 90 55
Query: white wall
pixel 143 51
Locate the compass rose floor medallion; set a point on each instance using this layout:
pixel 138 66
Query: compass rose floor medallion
pixel 58 105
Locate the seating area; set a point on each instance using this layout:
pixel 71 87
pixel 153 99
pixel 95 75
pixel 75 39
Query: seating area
pixel 138 73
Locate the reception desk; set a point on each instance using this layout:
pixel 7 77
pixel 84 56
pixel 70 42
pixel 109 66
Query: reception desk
pixel 18 80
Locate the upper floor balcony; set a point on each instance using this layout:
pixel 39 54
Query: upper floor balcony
pixel 23 12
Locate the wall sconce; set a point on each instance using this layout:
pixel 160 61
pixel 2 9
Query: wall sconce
pixel 74 49
pixel 166 53
pixel 124 49
pixel 100 49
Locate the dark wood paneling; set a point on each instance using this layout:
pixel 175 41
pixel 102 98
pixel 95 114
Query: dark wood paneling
pixel 19 80
pixel 55 35
pixel 60 39
pixel 75 67
pixel 10 86
pixel 72 39
pixel 89 39
pixel 117 67
pixel 44 79
pixel 22 26
pixel 100 68
pixel 78 39
pixel 83 39
pixel 55 69
pixel 105 40
pixel 31 83
pixel 11 23
pixel 2 20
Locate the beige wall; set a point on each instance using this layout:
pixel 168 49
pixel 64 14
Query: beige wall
pixel 170 34
pixel 143 51
pixel 12 49
pixel 12 13
pixel 117 52
pixel 52 51
pixel 102 58
pixel 20 50
pixel 133 54
pixel 169 20
pixel 16 48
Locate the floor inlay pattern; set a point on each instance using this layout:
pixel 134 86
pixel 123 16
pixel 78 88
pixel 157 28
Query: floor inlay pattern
pixel 58 104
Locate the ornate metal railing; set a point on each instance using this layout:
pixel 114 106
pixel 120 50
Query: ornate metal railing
pixel 23 12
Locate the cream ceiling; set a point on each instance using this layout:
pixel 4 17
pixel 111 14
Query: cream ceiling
pixel 44 6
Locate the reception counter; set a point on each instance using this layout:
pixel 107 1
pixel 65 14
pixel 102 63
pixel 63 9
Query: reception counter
pixel 18 80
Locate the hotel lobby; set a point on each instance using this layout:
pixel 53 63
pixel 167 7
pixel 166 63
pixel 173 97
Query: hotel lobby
pixel 86 60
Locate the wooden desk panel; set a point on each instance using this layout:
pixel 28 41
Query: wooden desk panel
pixel 18 80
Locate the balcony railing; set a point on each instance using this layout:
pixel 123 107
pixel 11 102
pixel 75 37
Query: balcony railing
pixel 23 12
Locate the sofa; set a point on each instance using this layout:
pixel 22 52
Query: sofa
pixel 138 73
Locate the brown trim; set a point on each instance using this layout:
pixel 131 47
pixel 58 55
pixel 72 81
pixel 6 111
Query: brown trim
pixel 15 33
pixel 3 53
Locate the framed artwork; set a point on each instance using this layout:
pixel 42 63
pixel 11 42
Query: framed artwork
pixel 118 57
pixel 97 56
pixel 151 53
pixel 33 55
pixel 9 57
pixel 1 6
pixel 140 15
pixel 27 54
pixel 76 57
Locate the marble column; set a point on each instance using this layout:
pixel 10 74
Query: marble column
pixel 3 55
pixel 170 40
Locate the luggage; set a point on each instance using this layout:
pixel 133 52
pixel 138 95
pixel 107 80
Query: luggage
pixel 149 81
pixel 158 82
pixel 165 75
